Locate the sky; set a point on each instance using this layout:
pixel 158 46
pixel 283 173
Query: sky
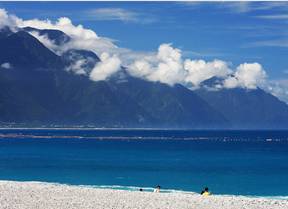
pixel 236 32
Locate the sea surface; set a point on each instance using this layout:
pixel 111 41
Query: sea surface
pixel 228 162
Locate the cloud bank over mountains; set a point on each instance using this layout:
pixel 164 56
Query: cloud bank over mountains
pixel 166 65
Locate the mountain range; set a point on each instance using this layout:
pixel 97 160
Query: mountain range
pixel 38 89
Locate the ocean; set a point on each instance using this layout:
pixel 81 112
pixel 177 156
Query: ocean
pixel 253 163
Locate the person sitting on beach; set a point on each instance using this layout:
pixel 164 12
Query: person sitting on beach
pixel 205 192
pixel 157 189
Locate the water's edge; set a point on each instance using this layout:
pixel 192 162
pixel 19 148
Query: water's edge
pixel 145 189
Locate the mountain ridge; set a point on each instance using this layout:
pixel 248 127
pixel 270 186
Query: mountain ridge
pixel 40 90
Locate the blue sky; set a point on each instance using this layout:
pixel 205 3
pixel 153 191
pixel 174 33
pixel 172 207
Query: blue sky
pixel 234 32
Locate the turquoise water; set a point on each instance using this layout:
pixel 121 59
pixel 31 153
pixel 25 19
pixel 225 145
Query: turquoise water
pixel 228 162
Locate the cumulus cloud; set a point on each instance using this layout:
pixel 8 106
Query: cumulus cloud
pixel 7 20
pixel 107 67
pixel 169 67
pixel 6 65
pixel 166 65
pixel 199 70
pixel 81 38
pixel 64 24
pixel 247 75
pixel 141 68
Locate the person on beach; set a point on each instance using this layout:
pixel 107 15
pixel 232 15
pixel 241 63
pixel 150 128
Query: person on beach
pixel 205 192
pixel 157 189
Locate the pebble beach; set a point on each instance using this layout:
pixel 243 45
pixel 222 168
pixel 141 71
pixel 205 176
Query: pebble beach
pixel 36 195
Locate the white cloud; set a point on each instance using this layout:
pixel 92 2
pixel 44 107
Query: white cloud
pixel 269 43
pixel 238 7
pixel 199 70
pixel 81 38
pixel 247 75
pixel 78 67
pixel 231 82
pixel 141 68
pixel 79 64
pixel 64 24
pixel 166 65
pixel 3 17
pixel 107 67
pixel 246 6
pixel 113 14
pixel 6 65
pixel 47 42
pixel 169 68
pixel 7 20
pixel 119 14
pixel 274 17
pixel 278 88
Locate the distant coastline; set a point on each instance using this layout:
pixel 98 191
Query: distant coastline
pixel 135 128
pixel 141 134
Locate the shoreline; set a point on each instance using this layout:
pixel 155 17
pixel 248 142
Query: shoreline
pixel 16 194
pixel 145 189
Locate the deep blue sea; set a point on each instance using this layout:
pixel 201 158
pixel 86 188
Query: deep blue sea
pixel 228 162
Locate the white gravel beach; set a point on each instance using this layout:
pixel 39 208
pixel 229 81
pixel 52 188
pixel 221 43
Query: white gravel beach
pixel 32 195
